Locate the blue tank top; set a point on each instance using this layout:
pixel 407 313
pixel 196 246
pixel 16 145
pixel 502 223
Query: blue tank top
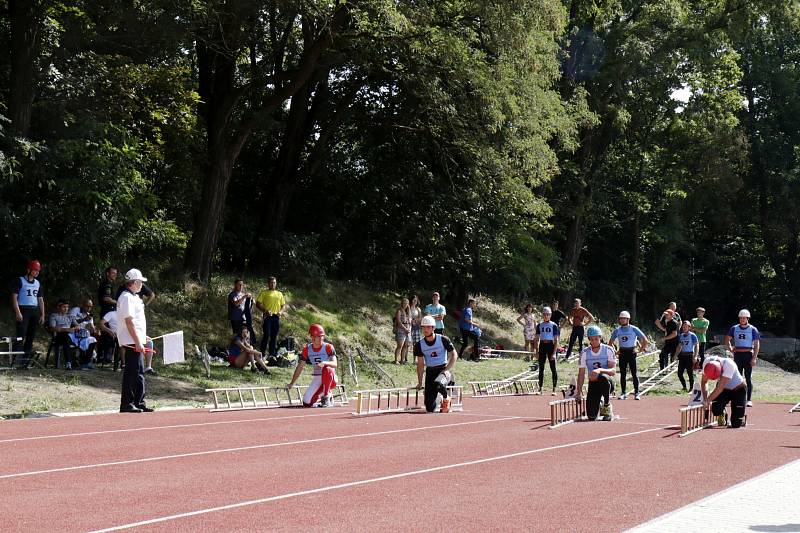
pixel 435 354
pixel 744 337
pixel 547 331
pixel 688 341
pixel 602 359
pixel 627 336
pixel 28 292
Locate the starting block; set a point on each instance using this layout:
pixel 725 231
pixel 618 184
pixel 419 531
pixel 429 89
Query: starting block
pixel 795 409
pixel 245 398
pixel 400 400
pixel 522 387
pixel 566 411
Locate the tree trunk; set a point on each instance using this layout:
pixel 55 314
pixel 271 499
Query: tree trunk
pixel 635 260
pixel 24 43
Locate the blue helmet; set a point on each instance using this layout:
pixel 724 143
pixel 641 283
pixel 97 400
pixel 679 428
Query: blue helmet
pixel 593 331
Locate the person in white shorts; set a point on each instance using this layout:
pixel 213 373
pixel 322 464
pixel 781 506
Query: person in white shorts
pixel 322 355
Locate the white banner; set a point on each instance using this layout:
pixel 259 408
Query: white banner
pixel 173 348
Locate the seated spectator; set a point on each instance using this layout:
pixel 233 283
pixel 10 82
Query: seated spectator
pixel 83 316
pixel 240 352
pixel 61 324
pixel 108 350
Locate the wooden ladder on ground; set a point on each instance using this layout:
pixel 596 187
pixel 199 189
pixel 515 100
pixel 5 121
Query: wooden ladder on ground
pixel 398 400
pixel 244 398
pixel 657 378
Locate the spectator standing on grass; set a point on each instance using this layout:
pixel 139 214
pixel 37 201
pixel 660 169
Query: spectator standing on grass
pixel 579 317
pixel 132 337
pixel 236 305
pixel 686 351
pixel 402 332
pixel 241 352
pixel 322 356
pixel 27 302
pixel 437 311
pixel 700 327
pixel 744 341
pixel 671 327
pixel 436 357
pixel 628 336
pixel 106 297
pixel 545 341
pixel 271 303
pixel 528 323
pixel 469 330
pixel 558 316
pixel 416 319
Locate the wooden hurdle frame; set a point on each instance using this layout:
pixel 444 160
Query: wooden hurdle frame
pixel 696 417
pixel 247 398
pixel 795 409
pixel 399 400
pixel 520 387
pixel 566 411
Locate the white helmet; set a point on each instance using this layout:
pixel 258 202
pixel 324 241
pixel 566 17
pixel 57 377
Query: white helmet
pixel 428 320
pixel 547 311
pixel 624 314
pixel 744 313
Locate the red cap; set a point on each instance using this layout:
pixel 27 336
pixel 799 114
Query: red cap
pixel 712 370
pixel 34 265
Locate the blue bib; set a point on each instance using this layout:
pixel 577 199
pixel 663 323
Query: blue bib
pixel 547 331
pixel 601 359
pixel 28 292
pixel 627 336
pixel 688 341
pixel 316 357
pixel 743 338
pixel 435 355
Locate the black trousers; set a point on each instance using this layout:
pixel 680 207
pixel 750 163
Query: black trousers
pixel 737 399
pixel 432 387
pixel 742 360
pixel 686 363
pixel 600 389
pixel 476 342
pixel 702 353
pixel 666 352
pixel 270 326
pixel 627 358
pixel 545 351
pixel 576 334
pixel 133 385
pixel 27 328
pixel 63 348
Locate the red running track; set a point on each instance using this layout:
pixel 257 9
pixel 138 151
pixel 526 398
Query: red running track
pixel 495 467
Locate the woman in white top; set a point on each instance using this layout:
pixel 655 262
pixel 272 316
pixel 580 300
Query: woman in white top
pixel 528 323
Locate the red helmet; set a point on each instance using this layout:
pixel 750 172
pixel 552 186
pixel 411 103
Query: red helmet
pixel 712 370
pixel 34 265
pixel 316 330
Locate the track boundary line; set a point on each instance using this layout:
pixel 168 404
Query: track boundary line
pixel 367 481
pixel 244 448
pixel 171 426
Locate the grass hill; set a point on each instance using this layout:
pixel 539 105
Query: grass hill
pixel 354 316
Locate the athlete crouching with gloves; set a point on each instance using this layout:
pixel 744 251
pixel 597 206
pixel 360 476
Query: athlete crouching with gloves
pixel 436 356
pixel 322 356
pixel 600 361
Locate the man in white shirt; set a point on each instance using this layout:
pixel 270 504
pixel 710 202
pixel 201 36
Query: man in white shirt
pixel 132 337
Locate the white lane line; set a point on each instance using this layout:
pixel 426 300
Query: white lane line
pixel 367 481
pixel 245 448
pixel 174 426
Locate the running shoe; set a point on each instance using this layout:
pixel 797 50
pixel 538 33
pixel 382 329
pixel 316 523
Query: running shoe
pixel 749 403
pixel 637 396
pixel 325 402
pixel 622 396
pixel 608 415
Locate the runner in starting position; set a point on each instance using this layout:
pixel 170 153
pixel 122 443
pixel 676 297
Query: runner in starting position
pixel 322 355
pixel 730 388
pixel 600 360
pixel 436 356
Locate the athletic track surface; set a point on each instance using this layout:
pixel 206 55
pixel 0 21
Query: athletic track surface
pixel 495 467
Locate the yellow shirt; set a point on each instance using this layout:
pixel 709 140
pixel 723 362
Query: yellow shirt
pixel 271 300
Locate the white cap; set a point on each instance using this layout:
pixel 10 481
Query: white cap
pixel 134 274
pixel 624 314
pixel 547 311
pixel 744 313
